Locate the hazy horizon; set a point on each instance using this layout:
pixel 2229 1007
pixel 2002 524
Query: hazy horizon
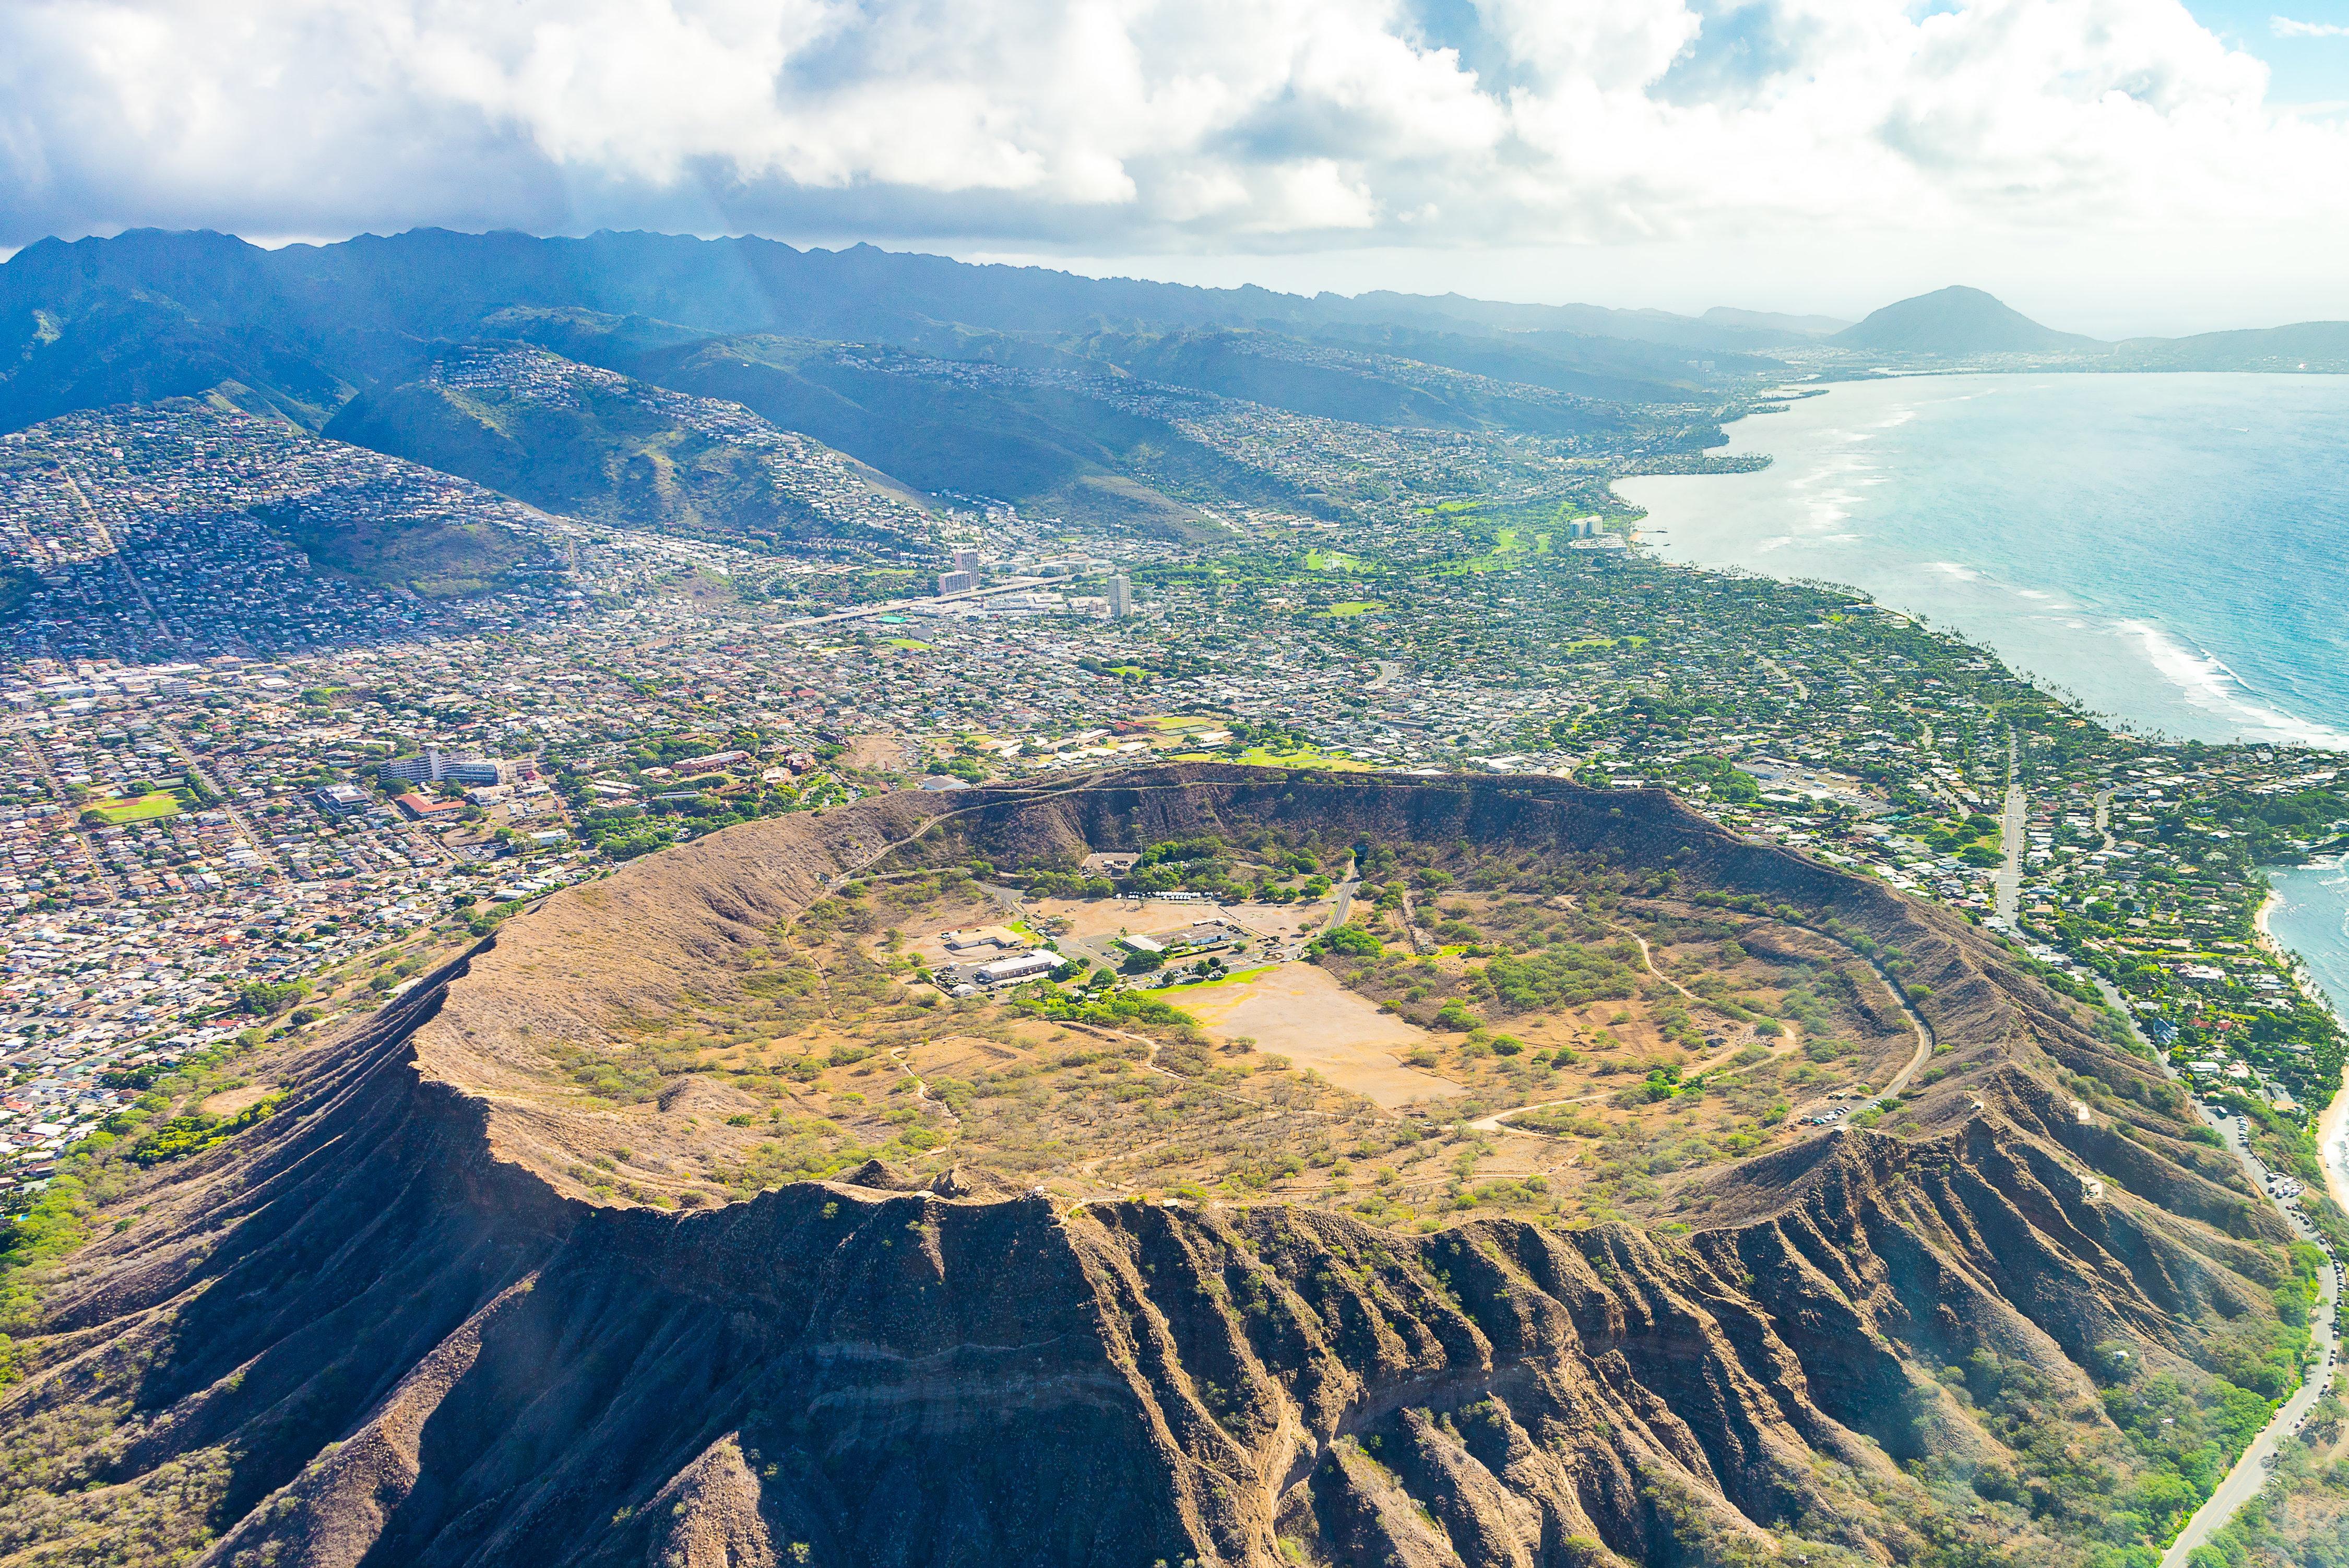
pixel 1351 274
pixel 2109 166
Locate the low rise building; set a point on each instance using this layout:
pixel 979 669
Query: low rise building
pixel 1020 966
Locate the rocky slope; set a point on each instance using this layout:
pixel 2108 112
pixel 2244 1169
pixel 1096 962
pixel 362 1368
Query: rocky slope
pixel 387 1327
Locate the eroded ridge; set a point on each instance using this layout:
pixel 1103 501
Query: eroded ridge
pixel 394 1323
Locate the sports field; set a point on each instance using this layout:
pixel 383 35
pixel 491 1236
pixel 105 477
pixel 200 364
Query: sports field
pixel 141 809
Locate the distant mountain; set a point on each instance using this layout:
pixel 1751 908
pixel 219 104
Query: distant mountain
pixel 349 336
pixel 1956 322
pixel 1775 321
pixel 1361 389
pixel 2310 346
pixel 1455 312
pixel 149 313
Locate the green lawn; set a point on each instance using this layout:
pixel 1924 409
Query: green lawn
pixel 1229 976
pixel 1331 561
pixel 1308 757
pixel 145 808
pixel 1351 608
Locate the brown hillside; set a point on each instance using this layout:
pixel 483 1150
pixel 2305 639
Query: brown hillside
pixel 394 1324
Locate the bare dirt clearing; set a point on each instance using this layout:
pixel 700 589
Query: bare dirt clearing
pixel 882 751
pixel 229 1101
pixel 1301 1012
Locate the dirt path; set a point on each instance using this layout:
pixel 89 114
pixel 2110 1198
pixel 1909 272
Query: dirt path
pixel 1493 1123
pixel 1794 1031
pixel 1421 944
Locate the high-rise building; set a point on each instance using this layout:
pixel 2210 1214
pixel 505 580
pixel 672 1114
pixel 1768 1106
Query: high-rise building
pixel 956 582
pixel 967 561
pixel 1120 595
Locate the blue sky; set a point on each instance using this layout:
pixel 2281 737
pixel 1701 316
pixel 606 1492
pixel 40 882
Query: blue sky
pixel 2113 166
pixel 2305 70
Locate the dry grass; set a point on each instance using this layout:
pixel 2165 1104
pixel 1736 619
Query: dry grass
pixel 717 1024
pixel 1299 1011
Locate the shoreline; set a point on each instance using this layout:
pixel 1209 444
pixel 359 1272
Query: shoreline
pixel 2333 1120
pixel 2140 654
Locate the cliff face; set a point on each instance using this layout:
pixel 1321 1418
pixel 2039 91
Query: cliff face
pixel 379 1333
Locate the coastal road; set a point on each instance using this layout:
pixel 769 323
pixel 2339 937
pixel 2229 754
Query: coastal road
pixel 2250 1474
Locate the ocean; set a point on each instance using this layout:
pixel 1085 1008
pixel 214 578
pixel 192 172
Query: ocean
pixel 2168 550
pixel 2172 551
pixel 2310 916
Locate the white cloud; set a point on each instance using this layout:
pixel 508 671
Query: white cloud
pixel 1166 124
pixel 2285 27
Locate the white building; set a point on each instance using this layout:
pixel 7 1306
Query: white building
pixel 434 766
pixel 1025 966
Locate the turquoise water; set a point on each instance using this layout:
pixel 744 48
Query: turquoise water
pixel 2173 551
pixel 2169 550
pixel 2310 916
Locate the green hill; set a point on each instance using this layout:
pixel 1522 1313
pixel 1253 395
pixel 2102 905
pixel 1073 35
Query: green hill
pixel 592 444
pixel 1956 322
pixel 1050 449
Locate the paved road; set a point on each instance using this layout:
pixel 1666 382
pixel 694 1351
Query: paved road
pixel 2249 1473
pixel 2010 871
pixel 1909 1069
pixel 898 607
pixel 1924 1052
pixel 2009 883
pixel 1345 900
pixel 225 799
